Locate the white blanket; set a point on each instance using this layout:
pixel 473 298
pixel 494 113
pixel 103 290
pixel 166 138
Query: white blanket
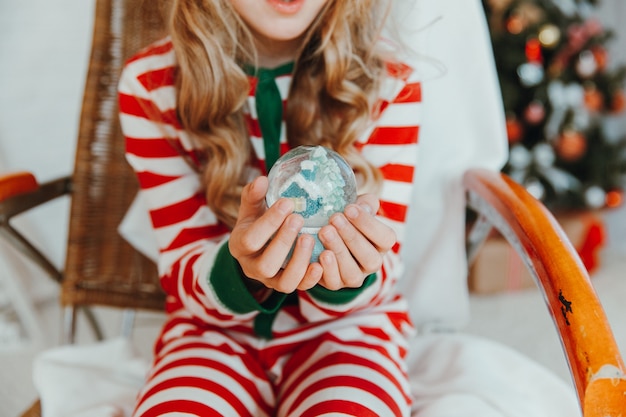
pixel 97 380
pixel 459 375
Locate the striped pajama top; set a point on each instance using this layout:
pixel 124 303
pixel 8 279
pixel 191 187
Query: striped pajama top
pixel 197 273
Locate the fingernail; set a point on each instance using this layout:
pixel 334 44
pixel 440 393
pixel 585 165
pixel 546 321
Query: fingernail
pixel 366 208
pixel 255 183
pixel 352 212
pixel 329 234
pixel 339 221
pixel 306 241
pixel 327 258
pixel 285 206
pixel 295 223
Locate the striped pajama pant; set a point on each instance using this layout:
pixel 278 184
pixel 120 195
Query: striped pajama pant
pixel 352 369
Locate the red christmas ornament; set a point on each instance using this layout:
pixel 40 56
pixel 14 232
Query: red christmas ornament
pixel 533 51
pixel 601 56
pixel 618 103
pixel 571 145
pixel 535 112
pixel 514 129
pixel 577 36
pixel 515 24
pixel 614 198
pixel 593 27
pixel 594 100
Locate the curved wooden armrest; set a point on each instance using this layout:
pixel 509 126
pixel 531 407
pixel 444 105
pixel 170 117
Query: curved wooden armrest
pixel 20 192
pixel 593 356
pixel 15 183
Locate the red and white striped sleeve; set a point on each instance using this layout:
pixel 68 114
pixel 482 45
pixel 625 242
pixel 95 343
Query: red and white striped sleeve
pixel 391 144
pixel 188 233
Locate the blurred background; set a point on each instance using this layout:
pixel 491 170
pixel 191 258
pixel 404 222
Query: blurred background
pixel 560 65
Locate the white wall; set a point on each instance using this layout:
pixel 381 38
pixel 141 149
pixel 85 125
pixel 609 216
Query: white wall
pixel 43 55
pixel 44 47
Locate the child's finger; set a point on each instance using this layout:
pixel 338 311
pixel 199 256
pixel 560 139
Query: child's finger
pixel 331 279
pixel 368 202
pixel 312 277
pixel 378 233
pixel 360 248
pixel 349 270
pixel 261 230
pixel 253 199
pixel 296 269
pixel 277 250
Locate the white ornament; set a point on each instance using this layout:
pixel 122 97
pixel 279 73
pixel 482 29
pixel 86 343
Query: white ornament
pixel 595 197
pixel 535 188
pixel 519 157
pixel 544 155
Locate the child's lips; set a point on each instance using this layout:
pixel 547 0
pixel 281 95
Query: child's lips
pixel 286 6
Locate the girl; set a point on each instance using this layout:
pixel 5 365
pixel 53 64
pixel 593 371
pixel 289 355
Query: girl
pixel 206 112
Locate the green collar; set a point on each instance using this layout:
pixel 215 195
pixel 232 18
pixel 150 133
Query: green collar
pixel 269 73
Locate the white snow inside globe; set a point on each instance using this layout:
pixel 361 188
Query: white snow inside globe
pixel 318 180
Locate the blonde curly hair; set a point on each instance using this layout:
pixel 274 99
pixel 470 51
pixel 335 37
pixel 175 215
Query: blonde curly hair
pixel 337 69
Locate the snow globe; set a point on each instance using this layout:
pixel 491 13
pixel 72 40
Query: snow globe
pixel 318 180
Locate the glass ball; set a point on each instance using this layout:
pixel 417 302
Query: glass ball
pixel 320 183
pixel 535 112
pixel 519 157
pixel 549 35
pixel 535 188
pixel 571 145
pixel 595 197
pixel 531 74
pixel 544 155
pixel 587 65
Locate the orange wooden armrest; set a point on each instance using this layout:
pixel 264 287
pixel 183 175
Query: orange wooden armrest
pixel 16 183
pixel 20 192
pixel 595 362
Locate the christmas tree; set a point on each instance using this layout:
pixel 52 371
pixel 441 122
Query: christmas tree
pixel 563 101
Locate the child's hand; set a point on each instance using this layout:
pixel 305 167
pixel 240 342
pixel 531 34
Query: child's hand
pixel 262 239
pixel 356 242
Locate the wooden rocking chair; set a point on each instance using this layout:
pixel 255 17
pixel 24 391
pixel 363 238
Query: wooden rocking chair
pixel 102 269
